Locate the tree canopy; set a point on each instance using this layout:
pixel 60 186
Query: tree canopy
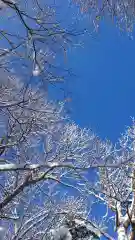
pixel 57 180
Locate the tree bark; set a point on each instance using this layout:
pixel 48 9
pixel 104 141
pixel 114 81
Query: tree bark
pixel 121 231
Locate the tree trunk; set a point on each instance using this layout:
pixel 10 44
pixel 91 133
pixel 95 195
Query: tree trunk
pixel 121 231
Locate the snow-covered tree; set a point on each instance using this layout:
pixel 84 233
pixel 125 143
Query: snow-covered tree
pixel 54 176
pixel 43 156
pixel 46 164
pixel 34 39
pixel 120 12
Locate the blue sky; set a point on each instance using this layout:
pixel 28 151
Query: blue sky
pixel 103 93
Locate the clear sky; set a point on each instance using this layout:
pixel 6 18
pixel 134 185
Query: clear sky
pixel 104 91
